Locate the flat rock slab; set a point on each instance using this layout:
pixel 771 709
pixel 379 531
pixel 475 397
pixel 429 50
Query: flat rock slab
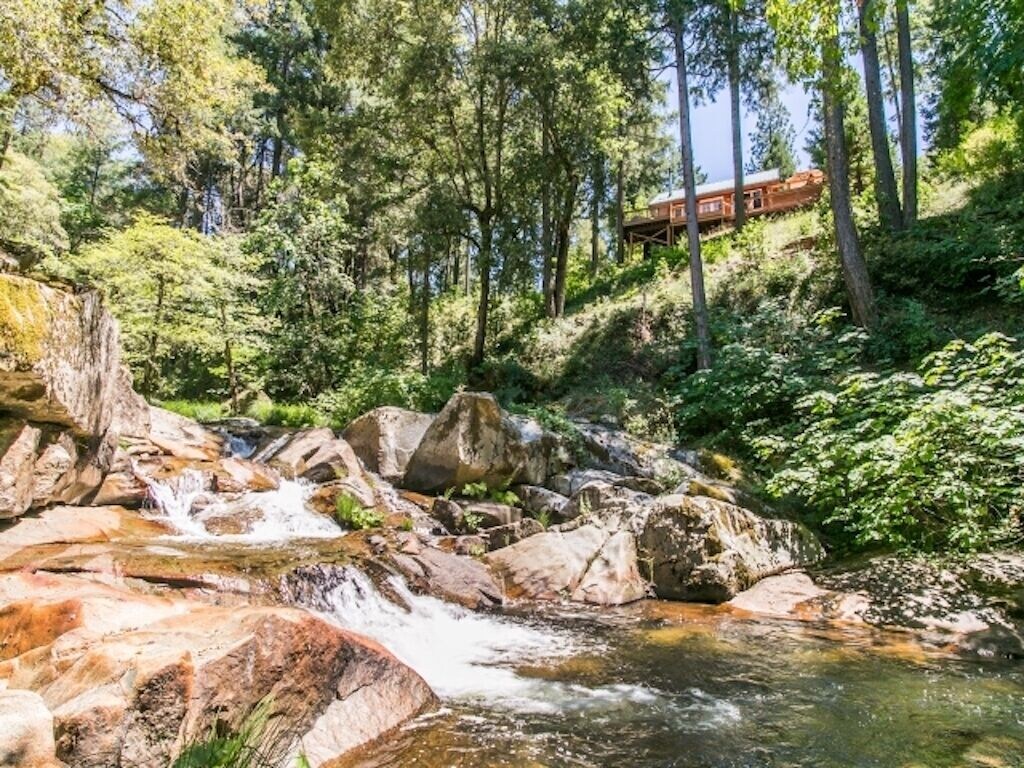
pixel 130 678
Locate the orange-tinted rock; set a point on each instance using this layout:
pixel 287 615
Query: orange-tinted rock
pixel 132 678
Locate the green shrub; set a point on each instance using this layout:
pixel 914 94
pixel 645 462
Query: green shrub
pixel 196 410
pixel 366 388
pixel 258 743
pixel 767 361
pixel 286 415
pixel 927 460
pixel 475 490
pixel 351 514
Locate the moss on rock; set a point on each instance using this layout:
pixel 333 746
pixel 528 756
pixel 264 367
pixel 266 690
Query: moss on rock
pixel 24 321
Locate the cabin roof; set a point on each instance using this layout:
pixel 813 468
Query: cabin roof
pixel 726 185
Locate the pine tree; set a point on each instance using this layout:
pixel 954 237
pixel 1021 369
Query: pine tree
pixel 772 142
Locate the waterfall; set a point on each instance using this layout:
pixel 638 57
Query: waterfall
pixel 464 656
pixel 264 517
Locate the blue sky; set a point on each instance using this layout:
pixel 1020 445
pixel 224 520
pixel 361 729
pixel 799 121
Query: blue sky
pixel 712 130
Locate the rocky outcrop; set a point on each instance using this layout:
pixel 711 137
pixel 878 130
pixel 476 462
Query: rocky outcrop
pixel 541 501
pixel 130 679
pixel 26 731
pixel 385 439
pixel 473 440
pixel 462 580
pixel 18 443
pixel 65 398
pixel 705 550
pixel 618 452
pixel 626 543
pixel 972 605
pixel 59 357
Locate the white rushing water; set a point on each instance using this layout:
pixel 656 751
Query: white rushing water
pixel 464 656
pixel 472 657
pixel 264 517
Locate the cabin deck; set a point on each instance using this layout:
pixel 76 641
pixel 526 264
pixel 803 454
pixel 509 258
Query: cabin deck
pixel 665 222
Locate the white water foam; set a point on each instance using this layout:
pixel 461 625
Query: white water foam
pixel 271 517
pixel 472 657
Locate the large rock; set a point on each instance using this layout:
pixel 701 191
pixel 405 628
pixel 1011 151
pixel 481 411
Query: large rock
pixel 59 357
pixel 26 731
pixel 474 440
pixel 130 679
pixel 540 501
pixel 588 564
pixel 619 452
pixel 386 438
pixel 18 444
pixel 450 577
pixel 705 550
pixel 180 437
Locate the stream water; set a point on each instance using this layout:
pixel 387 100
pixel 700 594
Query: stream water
pixel 654 684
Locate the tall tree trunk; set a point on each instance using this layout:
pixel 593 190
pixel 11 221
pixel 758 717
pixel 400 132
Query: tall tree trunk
pixel 908 120
pixel 5 143
pixel 149 376
pixel 596 203
pixel 261 156
pixel 229 360
pixel 739 202
pixel 483 308
pixel 564 221
pixel 277 161
pixel 620 214
pixel 546 233
pixel 425 317
pixel 886 192
pixel 700 309
pixel 855 270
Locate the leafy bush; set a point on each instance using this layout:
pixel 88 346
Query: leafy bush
pixel 366 388
pixel 766 362
pixel 258 743
pixel 195 409
pixel 30 228
pixel 352 514
pixel 926 460
pixel 475 490
pixel 286 415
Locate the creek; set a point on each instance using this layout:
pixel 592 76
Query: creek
pixel 652 684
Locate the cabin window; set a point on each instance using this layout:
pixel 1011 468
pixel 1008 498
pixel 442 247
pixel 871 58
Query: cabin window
pixel 678 211
pixel 710 206
pixel 755 199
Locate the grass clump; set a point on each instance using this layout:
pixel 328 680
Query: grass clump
pixel 287 415
pixel 197 410
pixel 351 514
pixel 259 743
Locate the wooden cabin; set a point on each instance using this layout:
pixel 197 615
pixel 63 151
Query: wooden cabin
pixel 663 222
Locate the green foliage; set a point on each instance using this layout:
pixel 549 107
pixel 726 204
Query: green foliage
pixel 957 259
pixel 352 514
pixel 258 743
pixel 185 302
pixel 30 228
pixel 544 518
pixel 766 361
pixel 931 460
pixel 475 490
pixel 198 410
pixel 287 415
pixel 471 521
pixel 366 387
